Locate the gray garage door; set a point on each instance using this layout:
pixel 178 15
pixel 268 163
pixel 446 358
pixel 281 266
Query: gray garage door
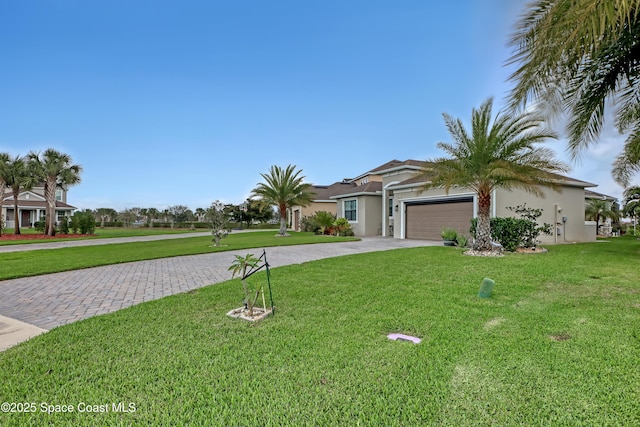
pixel 425 221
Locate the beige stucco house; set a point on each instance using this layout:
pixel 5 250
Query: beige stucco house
pixel 390 201
pixel 32 206
pixel 321 202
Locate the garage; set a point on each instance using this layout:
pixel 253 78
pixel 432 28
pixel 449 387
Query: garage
pixel 425 220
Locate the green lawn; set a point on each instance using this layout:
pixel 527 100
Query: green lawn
pixel 33 263
pixel 100 233
pixel 558 344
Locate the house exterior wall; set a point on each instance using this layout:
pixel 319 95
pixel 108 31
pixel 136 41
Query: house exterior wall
pixel 369 214
pixel 299 212
pixel 569 202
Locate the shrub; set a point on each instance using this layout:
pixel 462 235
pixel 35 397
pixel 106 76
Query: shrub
pixel 341 227
pixel 63 225
pixel 83 222
pixel 309 224
pixel 39 225
pixel 325 220
pixel 513 233
pixel 532 230
pixel 322 222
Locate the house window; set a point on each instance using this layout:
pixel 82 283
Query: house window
pixel 390 207
pixel 350 210
pixel 59 195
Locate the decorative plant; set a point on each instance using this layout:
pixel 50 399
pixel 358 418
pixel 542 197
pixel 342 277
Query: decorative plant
pixel 449 234
pixel 531 233
pixel 462 241
pixel 240 267
pixel 342 227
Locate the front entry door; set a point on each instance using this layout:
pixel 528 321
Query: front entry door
pixel 25 219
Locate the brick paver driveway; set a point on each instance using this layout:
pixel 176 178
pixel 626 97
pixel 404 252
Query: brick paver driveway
pixel 56 299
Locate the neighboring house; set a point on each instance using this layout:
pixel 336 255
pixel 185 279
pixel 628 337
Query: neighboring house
pixel 321 202
pixel 32 206
pixel 389 201
pixel 606 224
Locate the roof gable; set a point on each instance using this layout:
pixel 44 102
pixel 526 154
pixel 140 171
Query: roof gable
pixel 25 195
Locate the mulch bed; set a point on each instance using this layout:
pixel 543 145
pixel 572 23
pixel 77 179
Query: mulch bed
pixel 41 236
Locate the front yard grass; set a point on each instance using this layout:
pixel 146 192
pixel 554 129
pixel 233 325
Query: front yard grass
pixel 557 344
pixel 100 233
pixel 44 261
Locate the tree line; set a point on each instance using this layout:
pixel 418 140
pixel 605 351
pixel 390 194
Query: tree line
pixel 247 213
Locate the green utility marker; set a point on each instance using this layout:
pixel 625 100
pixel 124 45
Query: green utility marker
pixel 486 288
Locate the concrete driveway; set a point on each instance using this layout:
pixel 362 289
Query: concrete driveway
pixel 33 305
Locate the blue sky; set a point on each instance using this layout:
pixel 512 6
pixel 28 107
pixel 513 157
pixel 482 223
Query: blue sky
pixel 187 102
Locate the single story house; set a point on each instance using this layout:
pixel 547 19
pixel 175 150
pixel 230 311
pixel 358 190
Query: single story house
pixel 390 201
pixel 32 206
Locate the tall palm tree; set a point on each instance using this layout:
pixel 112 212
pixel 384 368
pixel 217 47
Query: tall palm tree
pixel 597 210
pixel 4 166
pixel 575 55
pixel 57 171
pixel 18 177
pixel 631 207
pixel 495 154
pixel 283 188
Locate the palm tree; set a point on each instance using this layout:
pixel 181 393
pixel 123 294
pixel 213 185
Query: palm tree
pixel 599 209
pixel 498 154
pixel 573 56
pixel 4 165
pixel 283 188
pixel 18 177
pixel 632 204
pixel 57 171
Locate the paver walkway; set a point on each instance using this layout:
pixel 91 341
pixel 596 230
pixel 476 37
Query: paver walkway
pixel 56 299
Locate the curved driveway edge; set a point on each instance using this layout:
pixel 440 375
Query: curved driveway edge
pixel 57 299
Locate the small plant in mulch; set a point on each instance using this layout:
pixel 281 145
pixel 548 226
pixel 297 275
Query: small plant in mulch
pixel 245 266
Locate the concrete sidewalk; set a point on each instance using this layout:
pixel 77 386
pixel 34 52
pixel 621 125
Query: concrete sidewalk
pixel 36 304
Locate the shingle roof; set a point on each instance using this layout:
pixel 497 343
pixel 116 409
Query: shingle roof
pixel 325 192
pixel 35 204
pixel 562 179
pixel 373 187
pixel 393 164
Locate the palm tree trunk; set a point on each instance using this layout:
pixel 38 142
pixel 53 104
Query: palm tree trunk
pixel 16 217
pixel 283 221
pixel 283 226
pixel 483 229
pixel 2 223
pixel 50 196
